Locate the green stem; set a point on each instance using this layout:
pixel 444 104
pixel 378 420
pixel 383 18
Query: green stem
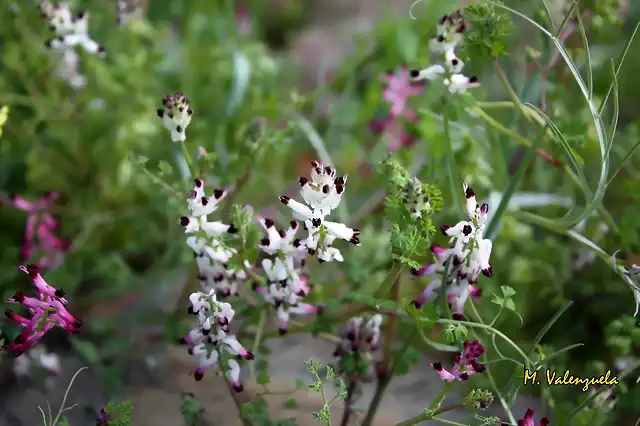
pixel 451 161
pixel 256 342
pixel 510 92
pixel 325 401
pixel 390 280
pixel 187 158
pixel 490 329
pixel 502 400
pixel 437 402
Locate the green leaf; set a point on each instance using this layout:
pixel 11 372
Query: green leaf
pixel 263 379
pixel 507 291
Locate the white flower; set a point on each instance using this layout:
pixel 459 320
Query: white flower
pixel 211 336
pixel 281 242
pixel 450 34
pixel 286 290
pixel 468 254
pixel 324 192
pixel 176 115
pixel 70 30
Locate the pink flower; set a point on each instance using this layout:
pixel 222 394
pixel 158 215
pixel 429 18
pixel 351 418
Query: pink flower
pixel 243 19
pixel 465 363
pixel 39 237
pixel 399 89
pixel 394 130
pixel 527 420
pixel 47 310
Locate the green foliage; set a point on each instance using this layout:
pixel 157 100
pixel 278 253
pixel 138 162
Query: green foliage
pixel 119 413
pixel 408 208
pixel 489 28
pixel 191 409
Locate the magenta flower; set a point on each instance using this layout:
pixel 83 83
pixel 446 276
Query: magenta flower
pixel 465 363
pixel 40 232
pixel 527 420
pixel 47 310
pixel 399 89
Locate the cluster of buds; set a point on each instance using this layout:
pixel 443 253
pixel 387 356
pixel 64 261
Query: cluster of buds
pixel 322 194
pixel 468 256
pixel 41 245
pixel 47 310
pixel 129 10
pixel 37 357
pixel 528 420
pixel 360 338
pixel 208 246
pixel 465 363
pixel 398 90
pixel 70 31
pixel 415 198
pixel 212 335
pixel 450 34
pixel 176 115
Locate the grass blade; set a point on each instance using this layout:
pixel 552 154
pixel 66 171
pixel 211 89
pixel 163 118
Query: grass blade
pixel 598 194
pixel 583 34
pixel 516 180
pixel 616 107
pixel 620 62
pixel 624 161
pixel 557 353
pixel 566 18
pixel 549 16
pixel 547 327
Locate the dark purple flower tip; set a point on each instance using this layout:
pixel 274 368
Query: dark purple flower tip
pixel 282 331
pixel 232 229
pixel 198 375
pixel 284 199
pixel 268 223
pixel 437 366
pixel 182 340
pixel 445 228
pixel 249 356
pixel 184 221
pixel 265 242
pixel 303 181
pixel 217 193
pixel 238 388
pixel 293 224
pixel 473 79
pixel 466 230
pixel 320 310
pixel 417 304
pixel 458 317
pixel 160 112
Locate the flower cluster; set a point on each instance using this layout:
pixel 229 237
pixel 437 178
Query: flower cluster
pixel 450 34
pixel 527 420
pixel 176 115
pixel 70 31
pixel 322 194
pixel 360 338
pixel 128 10
pixel 208 339
pixel 207 243
pixel 47 310
pixel 468 256
pixel 415 198
pixel 465 363
pixel 399 89
pixel 40 239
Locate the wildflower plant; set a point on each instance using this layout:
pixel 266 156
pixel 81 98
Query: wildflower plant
pixel 338 237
